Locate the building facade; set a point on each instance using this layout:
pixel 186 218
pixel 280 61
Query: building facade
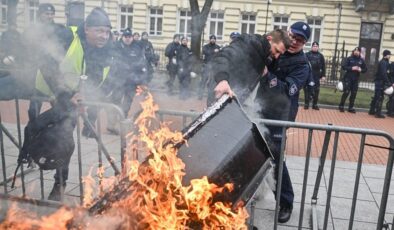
pixel 365 23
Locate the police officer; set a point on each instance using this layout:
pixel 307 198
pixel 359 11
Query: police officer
pixel 151 57
pixel 128 71
pixel 289 74
pixel 354 65
pixel 208 51
pixel 381 82
pixel 240 69
pixel 183 57
pixel 390 102
pixel 172 67
pixel 316 59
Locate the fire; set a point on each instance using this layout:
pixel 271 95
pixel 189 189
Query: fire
pixel 151 194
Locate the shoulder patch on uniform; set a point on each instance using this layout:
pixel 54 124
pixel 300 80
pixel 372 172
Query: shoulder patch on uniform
pixel 273 82
pixel 293 89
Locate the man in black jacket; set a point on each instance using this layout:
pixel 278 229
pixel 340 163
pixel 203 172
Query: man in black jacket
pixel 172 67
pixel 381 82
pixel 316 59
pixel 208 51
pixel 354 65
pixel 89 53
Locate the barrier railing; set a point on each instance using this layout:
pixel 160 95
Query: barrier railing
pixel 102 150
pixel 337 130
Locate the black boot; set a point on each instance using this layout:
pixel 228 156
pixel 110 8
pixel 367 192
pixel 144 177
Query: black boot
pixel 57 191
pixel 284 214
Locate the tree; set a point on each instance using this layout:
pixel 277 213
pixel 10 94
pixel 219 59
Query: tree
pixel 199 18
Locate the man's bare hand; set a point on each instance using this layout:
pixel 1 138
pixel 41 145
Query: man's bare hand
pixel 76 98
pixel 223 88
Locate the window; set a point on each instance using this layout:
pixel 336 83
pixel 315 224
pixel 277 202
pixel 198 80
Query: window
pixel 248 23
pixel 75 12
pixel 185 23
pixel 4 11
pixel 156 21
pixel 281 22
pixel 315 24
pixel 216 20
pixel 126 17
pixel 33 8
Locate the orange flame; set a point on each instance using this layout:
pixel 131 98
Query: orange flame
pixel 156 198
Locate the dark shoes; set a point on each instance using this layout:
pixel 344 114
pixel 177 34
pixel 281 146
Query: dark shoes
pixel 351 110
pixel 57 191
pixel 341 109
pixel 284 214
pixel 306 107
pixel 315 107
pixel 379 116
pixel 371 112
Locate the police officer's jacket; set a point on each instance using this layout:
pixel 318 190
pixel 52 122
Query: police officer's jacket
pixel 130 60
pixel 208 51
pixel 182 57
pixel 383 72
pixel 171 52
pixel 241 64
pixel 288 75
pixel 317 63
pixel 353 61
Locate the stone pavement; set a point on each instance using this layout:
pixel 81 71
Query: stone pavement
pixel 371 182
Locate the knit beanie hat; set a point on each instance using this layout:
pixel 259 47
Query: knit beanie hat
pixel 98 17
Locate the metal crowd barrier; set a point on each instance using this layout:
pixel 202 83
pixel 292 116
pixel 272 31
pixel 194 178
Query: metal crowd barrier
pixel 328 129
pixel 124 127
pixel 337 130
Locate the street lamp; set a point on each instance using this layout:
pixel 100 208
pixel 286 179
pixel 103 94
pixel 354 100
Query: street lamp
pixel 266 15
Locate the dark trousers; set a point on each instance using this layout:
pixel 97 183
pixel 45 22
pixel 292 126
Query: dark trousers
pixel 287 193
pixel 184 84
pixel 203 81
pixel 61 175
pixel 390 105
pixel 350 87
pixel 172 71
pixel 377 100
pixel 311 93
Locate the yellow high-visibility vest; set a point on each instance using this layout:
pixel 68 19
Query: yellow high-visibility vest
pixel 71 67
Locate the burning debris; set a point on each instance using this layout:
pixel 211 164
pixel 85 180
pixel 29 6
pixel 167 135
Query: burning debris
pixel 147 195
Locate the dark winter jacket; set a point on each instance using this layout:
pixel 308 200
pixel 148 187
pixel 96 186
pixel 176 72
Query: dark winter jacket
pixel 241 64
pixel 209 50
pixel 149 51
pixel 316 59
pixel 288 76
pixel 383 72
pixel 129 63
pixel 171 52
pixel 349 63
pixel 183 59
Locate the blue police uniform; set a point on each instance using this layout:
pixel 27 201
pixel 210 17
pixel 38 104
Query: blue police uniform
pixel 381 81
pixel 351 80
